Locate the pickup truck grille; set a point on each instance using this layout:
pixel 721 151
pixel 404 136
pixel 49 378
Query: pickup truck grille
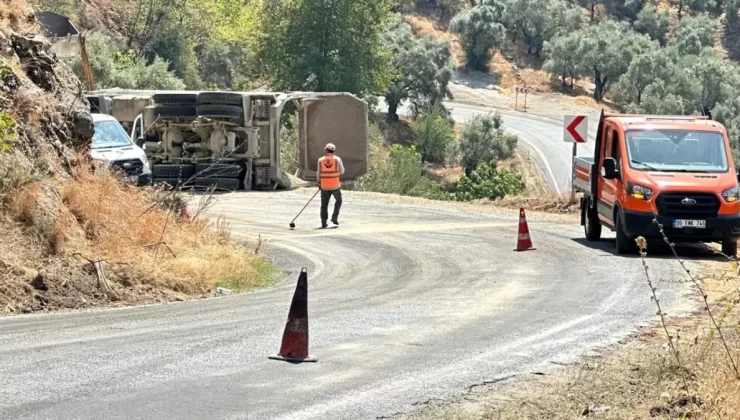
pixel 130 167
pixel 703 206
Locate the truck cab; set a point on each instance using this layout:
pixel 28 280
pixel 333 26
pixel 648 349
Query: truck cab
pixel 676 171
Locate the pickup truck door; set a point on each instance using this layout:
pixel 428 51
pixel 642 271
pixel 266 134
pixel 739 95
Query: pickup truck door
pixel 608 187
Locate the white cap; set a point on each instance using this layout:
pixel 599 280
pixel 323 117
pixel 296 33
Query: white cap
pixel 331 147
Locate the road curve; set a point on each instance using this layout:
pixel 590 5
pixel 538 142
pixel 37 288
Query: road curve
pixel 541 136
pixel 409 303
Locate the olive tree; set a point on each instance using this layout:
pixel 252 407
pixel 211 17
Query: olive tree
pixel 480 31
pixel 423 68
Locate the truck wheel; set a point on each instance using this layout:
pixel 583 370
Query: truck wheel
pixel 175 112
pixel 183 172
pixel 624 242
pixel 225 98
pixel 217 170
pixel 729 247
pixel 220 111
pixel 175 98
pixel 591 225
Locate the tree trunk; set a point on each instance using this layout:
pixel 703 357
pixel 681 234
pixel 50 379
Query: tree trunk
pixel 680 10
pixel 393 111
pixel 593 11
pixel 639 97
pixel 598 86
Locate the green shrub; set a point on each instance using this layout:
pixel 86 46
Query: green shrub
pixel 484 140
pixel 8 133
pixel 398 170
pixel 488 182
pixel 113 68
pixel 433 135
pixel 289 145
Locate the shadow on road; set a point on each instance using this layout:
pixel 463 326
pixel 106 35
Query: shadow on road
pixel 657 249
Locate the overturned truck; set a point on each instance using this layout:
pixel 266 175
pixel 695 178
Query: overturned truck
pixel 231 140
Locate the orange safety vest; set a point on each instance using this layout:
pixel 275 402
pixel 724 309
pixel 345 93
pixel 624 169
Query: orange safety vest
pixel 329 173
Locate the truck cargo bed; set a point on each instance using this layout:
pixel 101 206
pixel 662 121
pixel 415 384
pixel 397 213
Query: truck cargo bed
pixel 584 166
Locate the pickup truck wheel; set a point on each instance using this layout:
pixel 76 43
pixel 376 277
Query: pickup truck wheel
pixel 729 247
pixel 624 242
pixel 591 225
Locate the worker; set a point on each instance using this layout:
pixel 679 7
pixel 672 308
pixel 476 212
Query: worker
pixel 330 167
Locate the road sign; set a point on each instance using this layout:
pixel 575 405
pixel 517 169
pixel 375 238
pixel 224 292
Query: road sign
pixel 576 129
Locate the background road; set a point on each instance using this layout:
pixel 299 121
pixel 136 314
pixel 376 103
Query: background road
pixel 408 304
pixel 541 136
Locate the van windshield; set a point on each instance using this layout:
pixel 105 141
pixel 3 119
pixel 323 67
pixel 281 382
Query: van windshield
pixel 676 151
pixel 109 134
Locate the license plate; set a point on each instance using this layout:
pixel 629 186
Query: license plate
pixel 696 224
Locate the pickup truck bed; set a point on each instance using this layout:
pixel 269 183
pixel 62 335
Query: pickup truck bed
pixel 584 167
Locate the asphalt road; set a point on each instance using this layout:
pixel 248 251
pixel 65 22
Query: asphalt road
pixel 408 304
pixel 541 136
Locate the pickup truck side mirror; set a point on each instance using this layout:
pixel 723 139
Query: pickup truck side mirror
pixel 140 141
pixel 609 170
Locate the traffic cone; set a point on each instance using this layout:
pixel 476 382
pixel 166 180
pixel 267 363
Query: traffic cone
pixel 294 348
pixel 523 243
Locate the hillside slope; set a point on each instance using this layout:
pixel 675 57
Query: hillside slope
pixel 59 211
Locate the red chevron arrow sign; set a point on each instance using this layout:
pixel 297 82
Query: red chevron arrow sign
pixel 576 129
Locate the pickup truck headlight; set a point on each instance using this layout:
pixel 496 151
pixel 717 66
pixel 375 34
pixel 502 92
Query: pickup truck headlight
pixel 639 192
pixel 732 195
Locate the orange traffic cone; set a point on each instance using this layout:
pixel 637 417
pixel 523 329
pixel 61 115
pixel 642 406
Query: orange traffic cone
pixel 523 242
pixel 294 348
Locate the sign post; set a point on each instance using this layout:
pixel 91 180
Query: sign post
pixel 575 130
pixel 523 90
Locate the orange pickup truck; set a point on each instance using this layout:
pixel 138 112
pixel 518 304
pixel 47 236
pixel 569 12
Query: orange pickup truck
pixel 676 170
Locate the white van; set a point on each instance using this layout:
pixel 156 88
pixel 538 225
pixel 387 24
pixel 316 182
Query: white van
pixel 111 144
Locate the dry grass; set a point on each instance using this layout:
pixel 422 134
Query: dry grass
pixel 117 222
pixel 423 26
pixel 55 226
pixel 17 16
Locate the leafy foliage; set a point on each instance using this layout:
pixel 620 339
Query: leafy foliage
pixel 653 23
pixel 604 51
pixel 433 135
pixel 484 140
pixel 326 45
pixel 694 34
pixel 561 59
pixel 399 171
pixel 114 68
pixel 480 31
pixel 8 133
pixel 695 5
pixel 423 68
pixel 488 182
pixel 540 20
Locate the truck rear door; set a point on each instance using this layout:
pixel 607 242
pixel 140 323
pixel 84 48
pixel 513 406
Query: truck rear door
pixel 338 118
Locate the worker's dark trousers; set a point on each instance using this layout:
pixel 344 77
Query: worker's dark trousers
pixel 325 196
